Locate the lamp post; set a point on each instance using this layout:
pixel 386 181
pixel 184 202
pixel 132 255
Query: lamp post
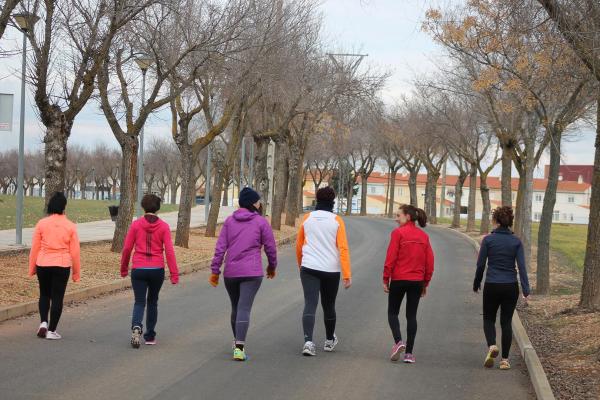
pixel 144 62
pixel 26 22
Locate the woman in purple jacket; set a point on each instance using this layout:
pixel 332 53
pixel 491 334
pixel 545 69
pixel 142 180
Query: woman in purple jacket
pixel 241 239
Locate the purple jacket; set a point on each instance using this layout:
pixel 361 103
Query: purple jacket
pixel 242 237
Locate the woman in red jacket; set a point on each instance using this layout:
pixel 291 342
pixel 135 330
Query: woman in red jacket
pixel 149 238
pixel 407 271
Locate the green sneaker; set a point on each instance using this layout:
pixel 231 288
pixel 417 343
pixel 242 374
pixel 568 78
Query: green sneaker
pixel 491 355
pixel 239 355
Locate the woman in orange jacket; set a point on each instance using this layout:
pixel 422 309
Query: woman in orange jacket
pixel 54 253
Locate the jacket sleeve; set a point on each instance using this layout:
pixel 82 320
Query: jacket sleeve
pixel 391 256
pixel 522 269
pixel 342 245
pixel 170 254
pixel 300 241
pixel 481 262
pixel 429 263
pixel 75 251
pixel 127 249
pixel 36 244
pixel 268 240
pixel 220 250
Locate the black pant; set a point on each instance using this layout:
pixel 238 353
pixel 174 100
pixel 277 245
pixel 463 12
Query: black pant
pixel 398 289
pixel 242 292
pixel 503 296
pixel 53 284
pixel 146 285
pixel 313 283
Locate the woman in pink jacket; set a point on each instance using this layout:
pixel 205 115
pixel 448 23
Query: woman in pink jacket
pixel 150 237
pixel 54 253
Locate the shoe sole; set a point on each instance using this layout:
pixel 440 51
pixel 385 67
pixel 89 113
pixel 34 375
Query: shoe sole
pixel 308 353
pixel 150 343
pixel 408 362
pixel 489 360
pixel 41 333
pixel 53 338
pixel 396 356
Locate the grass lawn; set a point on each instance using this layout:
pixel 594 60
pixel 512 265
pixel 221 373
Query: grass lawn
pixel 77 210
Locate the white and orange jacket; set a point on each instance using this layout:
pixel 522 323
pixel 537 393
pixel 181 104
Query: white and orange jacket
pixel 322 244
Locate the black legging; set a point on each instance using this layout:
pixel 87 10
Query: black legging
pixel 398 289
pixel 53 284
pixel 313 283
pixel 505 296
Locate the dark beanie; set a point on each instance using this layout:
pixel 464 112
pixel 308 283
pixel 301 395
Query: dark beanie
pixel 248 197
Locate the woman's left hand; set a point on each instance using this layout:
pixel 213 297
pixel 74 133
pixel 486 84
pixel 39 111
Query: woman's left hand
pixel 424 291
pixel 347 283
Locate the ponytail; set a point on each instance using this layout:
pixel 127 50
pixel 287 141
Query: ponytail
pixel 416 214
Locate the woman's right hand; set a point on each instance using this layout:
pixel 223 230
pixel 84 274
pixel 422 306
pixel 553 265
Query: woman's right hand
pixel 386 287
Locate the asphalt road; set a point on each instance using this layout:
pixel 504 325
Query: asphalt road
pixel 192 359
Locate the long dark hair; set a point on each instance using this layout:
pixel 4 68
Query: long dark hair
pixel 416 214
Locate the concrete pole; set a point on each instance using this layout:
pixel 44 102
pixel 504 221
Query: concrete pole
pixel 242 162
pixel 443 194
pixel 270 174
pixel 207 184
pixel 21 162
pixel 140 165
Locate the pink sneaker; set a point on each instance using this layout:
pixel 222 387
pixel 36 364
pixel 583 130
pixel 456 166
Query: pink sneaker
pixel 397 350
pixel 409 358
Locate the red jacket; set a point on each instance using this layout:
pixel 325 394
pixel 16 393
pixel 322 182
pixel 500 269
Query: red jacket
pixel 150 237
pixel 409 256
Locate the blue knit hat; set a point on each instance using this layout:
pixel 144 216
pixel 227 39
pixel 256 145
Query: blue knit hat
pixel 248 197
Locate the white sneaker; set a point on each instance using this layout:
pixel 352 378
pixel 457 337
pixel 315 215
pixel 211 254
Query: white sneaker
pixel 309 349
pixel 136 334
pixel 42 330
pixel 330 344
pixel 53 336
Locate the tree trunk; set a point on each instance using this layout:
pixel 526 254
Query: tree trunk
pixel 544 230
pixel 188 188
pixel 349 198
pixel 226 183
pixel 392 195
pixel 55 155
pixel 458 192
pixel 296 161
pixel 590 290
pixel 261 177
pixel 430 196
pixel 280 178
pixel 472 198
pixel 174 186
pixel 364 184
pixel 506 179
pixel 524 207
pixel 487 206
pixel 128 193
pixel 412 186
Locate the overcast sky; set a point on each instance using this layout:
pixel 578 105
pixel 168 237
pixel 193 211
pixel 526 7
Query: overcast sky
pixel 388 30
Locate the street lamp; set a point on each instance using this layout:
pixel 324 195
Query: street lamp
pixel 144 62
pixel 26 22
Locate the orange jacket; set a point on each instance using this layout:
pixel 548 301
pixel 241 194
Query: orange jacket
pixel 55 244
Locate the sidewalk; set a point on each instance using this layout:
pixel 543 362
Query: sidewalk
pixel 103 230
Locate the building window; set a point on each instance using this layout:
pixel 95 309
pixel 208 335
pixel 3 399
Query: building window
pixel 571 199
pixel 564 217
pixel 571 217
pixel 538 198
pixel 537 216
pixel 556 216
pixel 373 190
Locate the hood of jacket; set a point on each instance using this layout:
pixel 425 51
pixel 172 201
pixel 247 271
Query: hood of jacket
pixel 149 223
pixel 243 215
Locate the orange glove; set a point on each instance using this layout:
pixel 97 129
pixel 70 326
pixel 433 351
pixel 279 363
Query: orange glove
pixel 213 279
pixel 271 272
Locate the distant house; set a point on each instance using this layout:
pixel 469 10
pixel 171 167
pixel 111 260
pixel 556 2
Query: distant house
pixel 572 199
pixel 574 173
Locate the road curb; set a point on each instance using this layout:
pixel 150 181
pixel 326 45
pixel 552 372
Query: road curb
pixel 19 310
pixel 537 375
